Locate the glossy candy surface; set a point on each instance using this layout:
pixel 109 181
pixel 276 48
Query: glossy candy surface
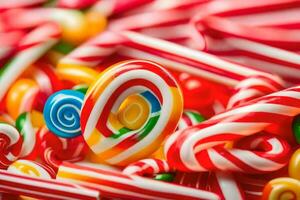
pixel 62 113
pixel 129 110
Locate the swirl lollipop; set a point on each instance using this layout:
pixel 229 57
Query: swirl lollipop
pixel 10 144
pixel 129 111
pixel 281 189
pixel 62 113
pixel 31 168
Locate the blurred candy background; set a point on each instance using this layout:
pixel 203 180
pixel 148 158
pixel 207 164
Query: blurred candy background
pixel 149 99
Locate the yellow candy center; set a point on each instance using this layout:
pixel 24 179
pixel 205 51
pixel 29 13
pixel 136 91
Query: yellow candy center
pixel 133 112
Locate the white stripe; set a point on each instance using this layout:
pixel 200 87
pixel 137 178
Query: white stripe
pixel 261 107
pixel 255 161
pixel 188 148
pixel 221 162
pixel 189 53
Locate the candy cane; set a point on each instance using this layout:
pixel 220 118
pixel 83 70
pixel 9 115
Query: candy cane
pixel 226 185
pixel 116 184
pixel 44 188
pixel 261 56
pixel 148 167
pixel 74 24
pixel 189 118
pixel 19 3
pixel 171 55
pixel 31 48
pixel 254 87
pixel 112 7
pixel 26 129
pixel 10 142
pixel 9 42
pixel 254 117
pixel 252 185
pixel 75 4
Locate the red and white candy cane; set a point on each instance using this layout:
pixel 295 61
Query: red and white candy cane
pixel 31 48
pixel 175 57
pixel 148 167
pixel 118 185
pixel 113 7
pixel 201 146
pixel 44 188
pixel 54 150
pixel 226 185
pixel 254 87
pixel 4 5
pixel 10 144
pixel 253 51
pixel 8 43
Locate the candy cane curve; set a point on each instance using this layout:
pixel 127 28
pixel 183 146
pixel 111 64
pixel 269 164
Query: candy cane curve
pixel 116 184
pixel 31 48
pixel 232 125
pixel 44 188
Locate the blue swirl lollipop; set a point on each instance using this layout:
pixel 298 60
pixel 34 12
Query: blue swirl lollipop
pixel 62 113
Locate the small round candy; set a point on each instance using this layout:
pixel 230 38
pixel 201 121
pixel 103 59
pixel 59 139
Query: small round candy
pixel 31 168
pixel 294 166
pixel 129 110
pixel 62 113
pixel 282 189
pixel 21 97
pixel 10 143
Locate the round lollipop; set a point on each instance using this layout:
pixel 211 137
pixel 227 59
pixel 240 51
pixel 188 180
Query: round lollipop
pixel 129 111
pixel 62 113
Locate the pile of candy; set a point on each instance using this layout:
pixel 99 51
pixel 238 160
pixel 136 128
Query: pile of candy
pixel 150 99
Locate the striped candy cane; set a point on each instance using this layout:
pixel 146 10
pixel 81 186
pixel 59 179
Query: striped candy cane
pixel 253 51
pixel 8 43
pixel 10 143
pixel 148 167
pixel 171 55
pixel 201 146
pixel 19 3
pixel 226 185
pixel 28 133
pixel 118 185
pixel 44 188
pixel 31 48
pixel 112 7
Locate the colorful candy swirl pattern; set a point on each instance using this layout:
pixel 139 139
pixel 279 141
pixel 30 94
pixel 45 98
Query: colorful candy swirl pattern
pixel 31 168
pixel 129 111
pixel 62 113
pixel 10 144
